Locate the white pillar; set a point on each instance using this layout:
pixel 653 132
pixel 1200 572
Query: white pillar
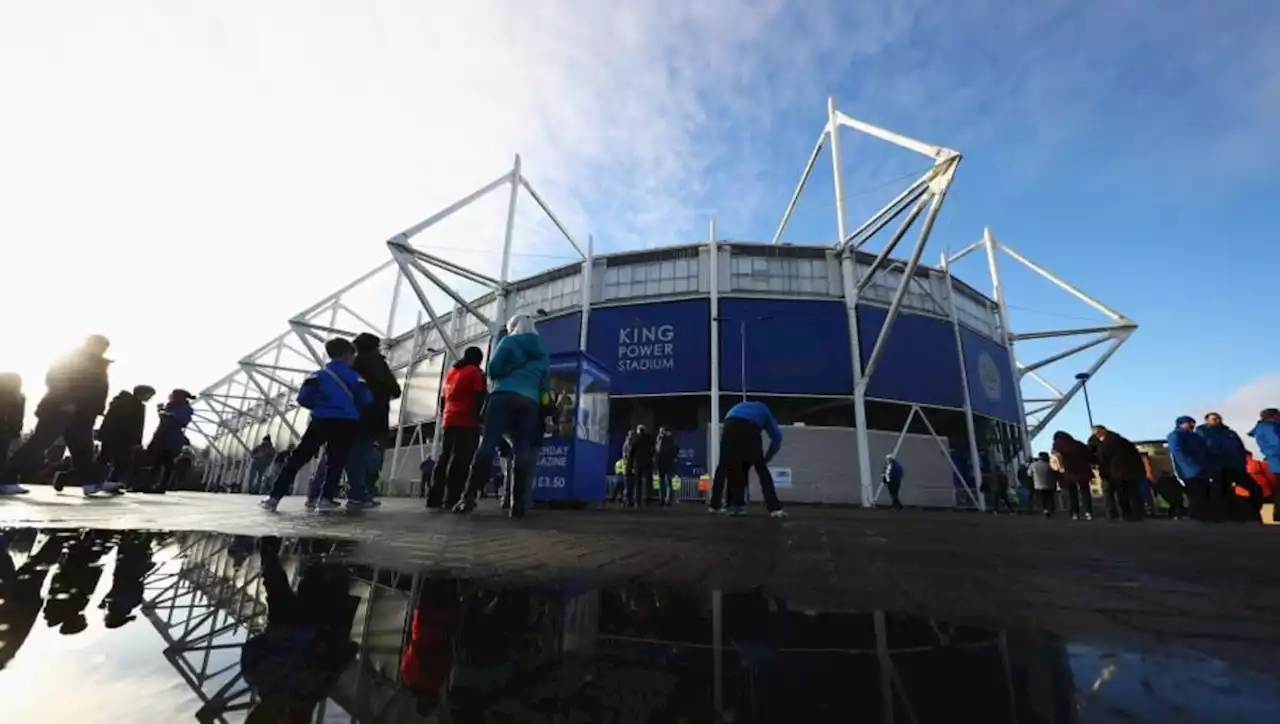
pixel 587 265
pixel 970 428
pixel 849 280
pixel 404 396
pixel 713 270
pixel 500 318
pixel 1002 311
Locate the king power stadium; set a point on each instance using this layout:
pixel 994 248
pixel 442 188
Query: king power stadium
pixel 859 353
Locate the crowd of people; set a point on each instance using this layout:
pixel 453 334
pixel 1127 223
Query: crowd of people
pixel 108 459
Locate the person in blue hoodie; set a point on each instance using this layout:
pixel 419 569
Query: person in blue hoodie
pixel 335 395
pixel 168 440
pixel 1229 469
pixel 1267 434
pixel 742 449
pixel 1193 463
pixel 520 372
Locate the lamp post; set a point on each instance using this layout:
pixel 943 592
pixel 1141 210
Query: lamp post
pixel 742 346
pixel 1084 387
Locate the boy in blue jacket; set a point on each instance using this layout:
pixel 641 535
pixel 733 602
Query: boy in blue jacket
pixel 334 394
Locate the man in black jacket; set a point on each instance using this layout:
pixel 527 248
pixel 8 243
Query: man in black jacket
pixel 121 430
pixel 13 408
pixel 365 458
pixel 668 451
pixel 1121 470
pixel 77 394
pixel 639 467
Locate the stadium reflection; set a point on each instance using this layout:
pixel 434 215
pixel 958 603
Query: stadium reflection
pixel 262 630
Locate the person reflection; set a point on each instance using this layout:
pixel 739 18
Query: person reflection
pixel 73 584
pixel 489 652
pixel 133 563
pixel 307 643
pixel 427 661
pixel 20 587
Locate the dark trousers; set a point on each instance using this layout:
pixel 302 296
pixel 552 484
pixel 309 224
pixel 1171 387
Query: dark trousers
pixel 457 449
pixel 1079 499
pixel 336 436
pixel 516 417
pixel 1245 510
pixel 1201 500
pixel 1048 501
pixel 894 487
pixel 664 485
pixel 1123 499
pixel 75 430
pixel 6 441
pixel 639 483
pixel 717 488
pixel 1171 491
pixel 741 450
pixel 162 460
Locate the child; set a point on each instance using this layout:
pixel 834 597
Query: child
pixel 334 394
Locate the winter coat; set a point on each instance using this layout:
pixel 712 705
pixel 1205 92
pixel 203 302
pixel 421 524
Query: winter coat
pixel 640 454
pixel 1226 449
pixel 1042 475
pixel 893 473
pixel 13 408
pixel 262 455
pixel 372 368
pixel 169 435
pixel 334 393
pixel 1262 475
pixel 1075 459
pixel 520 364
pixel 122 425
pixel 79 380
pixel 1190 453
pixel 1119 459
pixel 667 454
pixel 463 395
pixel 1267 434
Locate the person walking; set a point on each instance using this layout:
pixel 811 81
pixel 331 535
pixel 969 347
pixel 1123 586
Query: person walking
pixel 169 439
pixel 334 394
pixel 742 449
pixel 1193 464
pixel 1227 471
pixel 464 396
pixel 640 463
pixel 1121 469
pixel 892 479
pixel 666 453
pixel 364 461
pixel 13 409
pixel 121 431
pixel 1042 477
pixel 260 459
pixel 520 371
pixel 1075 470
pixel 76 394
pixel 1267 434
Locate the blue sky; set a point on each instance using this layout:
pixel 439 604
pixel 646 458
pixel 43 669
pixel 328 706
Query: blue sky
pixel 233 162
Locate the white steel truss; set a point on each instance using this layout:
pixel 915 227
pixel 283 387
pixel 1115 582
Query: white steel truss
pixel 924 196
pixel 1038 412
pixel 262 388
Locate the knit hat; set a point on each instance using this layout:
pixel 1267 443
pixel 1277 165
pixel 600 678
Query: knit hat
pixel 1184 420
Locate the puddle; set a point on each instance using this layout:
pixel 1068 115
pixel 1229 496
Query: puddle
pixel 100 626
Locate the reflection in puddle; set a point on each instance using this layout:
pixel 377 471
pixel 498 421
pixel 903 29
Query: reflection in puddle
pixel 157 627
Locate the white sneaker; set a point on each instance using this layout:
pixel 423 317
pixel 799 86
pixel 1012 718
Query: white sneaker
pixel 778 514
pixel 13 489
pixel 325 505
pixel 1088 516
pixel 269 504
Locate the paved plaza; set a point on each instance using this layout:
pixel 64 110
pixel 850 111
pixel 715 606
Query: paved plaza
pixel 1208 587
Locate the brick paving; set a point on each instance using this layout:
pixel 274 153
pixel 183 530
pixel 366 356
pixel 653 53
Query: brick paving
pixel 1210 588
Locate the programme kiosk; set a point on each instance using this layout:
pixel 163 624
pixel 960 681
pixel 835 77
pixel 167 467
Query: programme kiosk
pixel 574 458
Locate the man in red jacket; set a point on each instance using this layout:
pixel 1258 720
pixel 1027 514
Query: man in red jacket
pixel 463 396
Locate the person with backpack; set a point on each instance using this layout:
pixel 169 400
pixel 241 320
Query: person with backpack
pixel 463 397
pixel 335 395
pixel 169 439
pixel 121 431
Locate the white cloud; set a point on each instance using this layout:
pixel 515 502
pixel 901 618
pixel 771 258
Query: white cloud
pixel 1240 408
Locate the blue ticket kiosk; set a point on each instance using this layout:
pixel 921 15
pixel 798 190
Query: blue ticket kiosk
pixel 574 458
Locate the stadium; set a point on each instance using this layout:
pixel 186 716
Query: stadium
pixel 859 353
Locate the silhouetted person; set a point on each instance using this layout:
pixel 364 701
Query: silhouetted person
pixel 13 408
pixel 463 396
pixel 121 431
pixel 133 563
pixel 260 463
pixel 892 478
pixel 169 439
pixel 1121 469
pixel 364 462
pixel 74 583
pixel 1075 466
pixel 20 588
pixel 742 449
pixel 76 394
pixel 427 661
pixel 1228 471
pixel 640 465
pixel 307 643
pixel 666 453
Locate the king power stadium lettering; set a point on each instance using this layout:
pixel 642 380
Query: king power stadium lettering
pixel 645 349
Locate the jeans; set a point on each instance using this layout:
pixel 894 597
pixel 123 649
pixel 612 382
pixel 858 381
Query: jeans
pixel 664 486
pixel 76 430
pixel 336 436
pixel 256 475
pixel 363 460
pixel 1079 499
pixel 516 417
pixel 457 449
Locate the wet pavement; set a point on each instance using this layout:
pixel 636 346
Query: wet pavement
pixel 372 624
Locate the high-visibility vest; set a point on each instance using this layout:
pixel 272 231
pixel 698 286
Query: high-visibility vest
pixel 675 483
pixel 704 483
pixel 620 467
pixel 655 481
